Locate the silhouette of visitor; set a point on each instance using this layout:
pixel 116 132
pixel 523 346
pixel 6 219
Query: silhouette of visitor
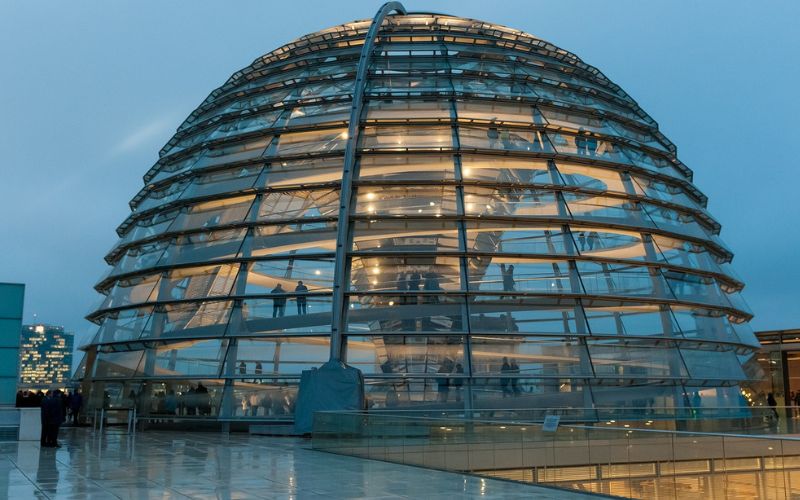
pixel 301 290
pixel 278 303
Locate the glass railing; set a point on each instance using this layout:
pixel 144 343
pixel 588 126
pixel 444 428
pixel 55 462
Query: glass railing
pixel 608 457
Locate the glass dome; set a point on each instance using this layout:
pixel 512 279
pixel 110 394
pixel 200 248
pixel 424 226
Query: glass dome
pixel 501 227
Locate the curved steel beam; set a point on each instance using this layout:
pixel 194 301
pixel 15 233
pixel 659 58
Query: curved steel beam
pixel 345 198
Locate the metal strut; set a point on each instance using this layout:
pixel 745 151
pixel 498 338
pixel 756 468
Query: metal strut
pixel 346 195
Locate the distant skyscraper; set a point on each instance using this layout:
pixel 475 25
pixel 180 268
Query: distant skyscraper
pixel 11 301
pixel 45 355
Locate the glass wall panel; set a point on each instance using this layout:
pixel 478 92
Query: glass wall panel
pixel 283 314
pixel 126 324
pixel 512 355
pixel 645 397
pixel 167 167
pixel 402 201
pixel 405 274
pixel 609 243
pixel 291 239
pixel 406 168
pixel 510 237
pixel 508 314
pixel 602 278
pixel 408 85
pixel 405 313
pixel 276 355
pixel 685 254
pixel 505 139
pixel 660 190
pixel 213 213
pixel 481 86
pixel 301 172
pixel 332 112
pixel 652 162
pixel 131 291
pixel 505 170
pixel 289 276
pixel 407 354
pixel 586 177
pixel 224 181
pixel 512 274
pixel 305 203
pixel 190 358
pixel 140 257
pixel 264 398
pixel 327 88
pixel 573 121
pixel 637 134
pixel 174 397
pixel 694 288
pixel 635 358
pixel 162 195
pixel 193 319
pixel 671 220
pixel 408 110
pixel 408 137
pixel 704 324
pixel 204 247
pixel 604 209
pixel 148 226
pixel 496 112
pixel 608 317
pixel 712 364
pixel 229 153
pixel 196 282
pixel 502 202
pixel 406 236
pixel 589 146
pixel 314 141
pixel 245 124
pixel 117 364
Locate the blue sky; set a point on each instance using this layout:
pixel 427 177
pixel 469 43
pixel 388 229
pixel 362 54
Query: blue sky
pixel 92 90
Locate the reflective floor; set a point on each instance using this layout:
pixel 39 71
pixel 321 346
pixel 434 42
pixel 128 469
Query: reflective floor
pixel 212 465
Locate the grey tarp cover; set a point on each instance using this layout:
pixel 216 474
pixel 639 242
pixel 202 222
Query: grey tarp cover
pixel 332 386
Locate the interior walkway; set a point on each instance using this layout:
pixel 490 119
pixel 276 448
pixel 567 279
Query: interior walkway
pixel 184 465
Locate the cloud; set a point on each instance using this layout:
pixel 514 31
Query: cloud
pixel 144 135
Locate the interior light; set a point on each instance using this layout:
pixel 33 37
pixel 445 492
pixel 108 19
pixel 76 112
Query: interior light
pixel 391 302
pixel 419 210
pixel 466 171
pixel 344 134
pixel 370 196
pixel 317 272
pixel 432 204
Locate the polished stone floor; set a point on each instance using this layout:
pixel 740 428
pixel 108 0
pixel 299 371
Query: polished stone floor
pixel 169 465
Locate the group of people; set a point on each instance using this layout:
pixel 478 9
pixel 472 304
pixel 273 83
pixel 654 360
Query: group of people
pixel 56 408
pixel 508 384
pixel 590 242
pixel 279 303
pixel 448 367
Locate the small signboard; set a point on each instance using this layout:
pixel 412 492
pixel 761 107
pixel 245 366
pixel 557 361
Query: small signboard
pixel 551 423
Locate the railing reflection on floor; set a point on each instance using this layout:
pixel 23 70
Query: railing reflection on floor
pixel 611 456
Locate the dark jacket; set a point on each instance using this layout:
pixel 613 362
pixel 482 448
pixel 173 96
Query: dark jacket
pixel 52 410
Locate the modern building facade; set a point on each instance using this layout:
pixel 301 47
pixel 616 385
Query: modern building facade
pixel 12 300
pixel 45 356
pixel 470 215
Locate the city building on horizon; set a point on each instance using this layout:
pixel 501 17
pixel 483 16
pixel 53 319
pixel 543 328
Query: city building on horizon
pixel 45 357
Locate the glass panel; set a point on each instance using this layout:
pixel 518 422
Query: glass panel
pixel 610 243
pixel 405 274
pixel 671 220
pixel 589 146
pixel 407 167
pixel 213 213
pixel 149 226
pixel 652 162
pixel 511 274
pixel 326 88
pixel 515 355
pixel 660 190
pixel 314 141
pixel 403 85
pixel 693 288
pixel 491 237
pixel 291 239
pixel 639 135
pixel 586 177
pixel 131 291
pixel 322 113
pixel 496 112
pixel 278 355
pixel 543 315
pixel 190 358
pixel 117 364
pixel 289 276
pixel 685 254
pixel 407 354
pixel 609 317
pixel 289 313
pixel 704 324
pixel 194 319
pixel 603 209
pixel 162 195
pixel 709 364
pixel 127 324
pixel 402 138
pixel 298 204
pixel 408 110
pixel 502 202
pixel 229 153
pixel 635 358
pixel 226 181
pixel 602 278
pixel 424 313
pixel 264 398
pixel 245 124
pixel 505 139
pixel 301 172
pixel 139 257
pixel 572 121
pixel 204 247
pixel 405 236
pixel 491 88
pixel 196 282
pixel 170 167
pixel 505 170
pixel 406 200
